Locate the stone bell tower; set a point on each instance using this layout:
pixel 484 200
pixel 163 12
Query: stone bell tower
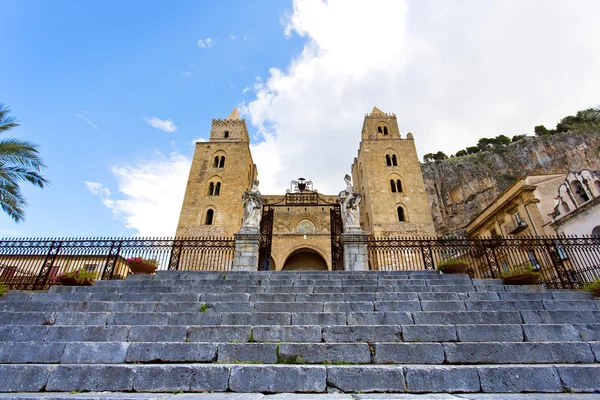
pixel 388 174
pixel 222 169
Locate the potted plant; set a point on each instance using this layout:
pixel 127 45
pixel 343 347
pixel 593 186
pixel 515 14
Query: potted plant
pixel 3 289
pixel 593 287
pixel 523 275
pixel 79 277
pixel 139 265
pixel 453 266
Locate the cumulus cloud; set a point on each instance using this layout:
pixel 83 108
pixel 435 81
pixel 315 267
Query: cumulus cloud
pixel 150 194
pixel 162 124
pixel 206 43
pixel 452 71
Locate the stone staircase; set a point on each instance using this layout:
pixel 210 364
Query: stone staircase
pixel 271 332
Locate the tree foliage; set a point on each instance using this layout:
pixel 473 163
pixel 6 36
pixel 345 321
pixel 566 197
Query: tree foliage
pixel 19 162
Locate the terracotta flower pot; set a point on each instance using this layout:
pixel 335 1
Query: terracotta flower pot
pixel 522 279
pixel 141 267
pixel 66 281
pixel 455 268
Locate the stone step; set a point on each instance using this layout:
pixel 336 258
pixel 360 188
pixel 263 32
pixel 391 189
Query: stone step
pixel 300 353
pixel 304 333
pixel 248 378
pixel 343 317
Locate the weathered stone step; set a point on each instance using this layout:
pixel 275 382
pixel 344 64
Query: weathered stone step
pixel 300 378
pixel 300 318
pixel 304 333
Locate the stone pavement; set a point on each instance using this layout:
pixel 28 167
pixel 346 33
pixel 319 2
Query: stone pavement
pixel 294 396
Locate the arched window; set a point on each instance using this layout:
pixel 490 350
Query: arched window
pixel 226 134
pixel 388 160
pixel 394 160
pixel 216 163
pixel 379 130
pixel 222 162
pixel 579 192
pixel 596 232
pixel 393 185
pixel 209 217
pixel 211 189
pixel 218 188
pixel 565 207
pixel 385 131
pixel 401 216
pixel 398 185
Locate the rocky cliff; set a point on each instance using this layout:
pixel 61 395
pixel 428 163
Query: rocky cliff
pixel 460 188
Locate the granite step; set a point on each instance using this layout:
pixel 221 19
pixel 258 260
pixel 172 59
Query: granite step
pixel 246 378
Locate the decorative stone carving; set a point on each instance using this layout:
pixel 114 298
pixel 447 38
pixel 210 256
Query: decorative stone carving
pixel 252 202
pixel 349 203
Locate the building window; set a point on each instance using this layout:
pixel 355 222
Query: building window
pixel 209 217
pixel 222 162
pixel 398 186
pixel 216 163
pixel 393 185
pixel 517 218
pixel 401 216
pixel 394 160
pixel 211 189
pixel 226 134
pixel 388 160
pixel 532 259
pixel 379 130
pixel 218 188
pixel 385 131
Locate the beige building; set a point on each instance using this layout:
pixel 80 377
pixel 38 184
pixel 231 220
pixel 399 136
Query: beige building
pixel 524 209
pixel 386 172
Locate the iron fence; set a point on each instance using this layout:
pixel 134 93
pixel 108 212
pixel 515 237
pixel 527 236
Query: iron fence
pixel 564 261
pixel 31 264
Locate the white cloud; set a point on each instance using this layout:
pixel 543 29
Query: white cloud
pixel 232 37
pixel 206 43
pixel 245 37
pixel 452 71
pixel 246 89
pixel 152 194
pixel 198 140
pixel 87 120
pixel 162 124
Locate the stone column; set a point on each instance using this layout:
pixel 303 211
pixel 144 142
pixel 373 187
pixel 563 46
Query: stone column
pixel 247 245
pixel 356 257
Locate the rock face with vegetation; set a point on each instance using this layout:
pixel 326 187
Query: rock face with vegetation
pixel 460 188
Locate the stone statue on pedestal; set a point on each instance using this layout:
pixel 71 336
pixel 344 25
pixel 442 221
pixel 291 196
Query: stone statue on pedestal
pixel 252 202
pixel 349 202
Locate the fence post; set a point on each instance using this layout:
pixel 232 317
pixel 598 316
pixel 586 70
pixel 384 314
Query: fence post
pixel 42 278
pixel 175 254
pixel 112 258
pixel 558 265
pixel 491 258
pixel 427 255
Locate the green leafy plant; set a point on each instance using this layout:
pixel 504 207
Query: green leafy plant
pixel 150 261
pixel 450 261
pixel 593 287
pixel 520 270
pixel 3 289
pixel 203 307
pixel 79 277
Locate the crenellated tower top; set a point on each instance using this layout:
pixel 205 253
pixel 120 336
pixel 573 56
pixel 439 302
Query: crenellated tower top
pixel 230 129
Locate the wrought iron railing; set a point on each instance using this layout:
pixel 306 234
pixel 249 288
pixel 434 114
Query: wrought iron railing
pixel 565 262
pixel 31 264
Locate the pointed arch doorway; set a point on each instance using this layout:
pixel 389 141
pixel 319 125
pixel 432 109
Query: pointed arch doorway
pixel 305 259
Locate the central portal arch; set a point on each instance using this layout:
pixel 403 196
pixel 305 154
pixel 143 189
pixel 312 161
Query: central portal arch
pixel 305 259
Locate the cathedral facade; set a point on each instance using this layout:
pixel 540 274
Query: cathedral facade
pixel 386 172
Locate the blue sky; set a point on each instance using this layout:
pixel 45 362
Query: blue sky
pixel 86 78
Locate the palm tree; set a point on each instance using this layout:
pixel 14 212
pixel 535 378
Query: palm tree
pixel 591 114
pixel 19 161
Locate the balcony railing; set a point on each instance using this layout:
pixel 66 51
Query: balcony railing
pixel 516 227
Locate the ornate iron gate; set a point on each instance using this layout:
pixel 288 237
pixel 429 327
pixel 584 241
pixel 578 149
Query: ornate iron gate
pixel 266 238
pixel 337 252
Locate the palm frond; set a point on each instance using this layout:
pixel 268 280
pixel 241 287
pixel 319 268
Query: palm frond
pixel 13 174
pixel 20 152
pixel 6 122
pixel 591 114
pixel 12 201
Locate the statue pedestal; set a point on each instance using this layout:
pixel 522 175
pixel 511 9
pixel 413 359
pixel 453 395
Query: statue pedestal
pixel 354 242
pixel 247 244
